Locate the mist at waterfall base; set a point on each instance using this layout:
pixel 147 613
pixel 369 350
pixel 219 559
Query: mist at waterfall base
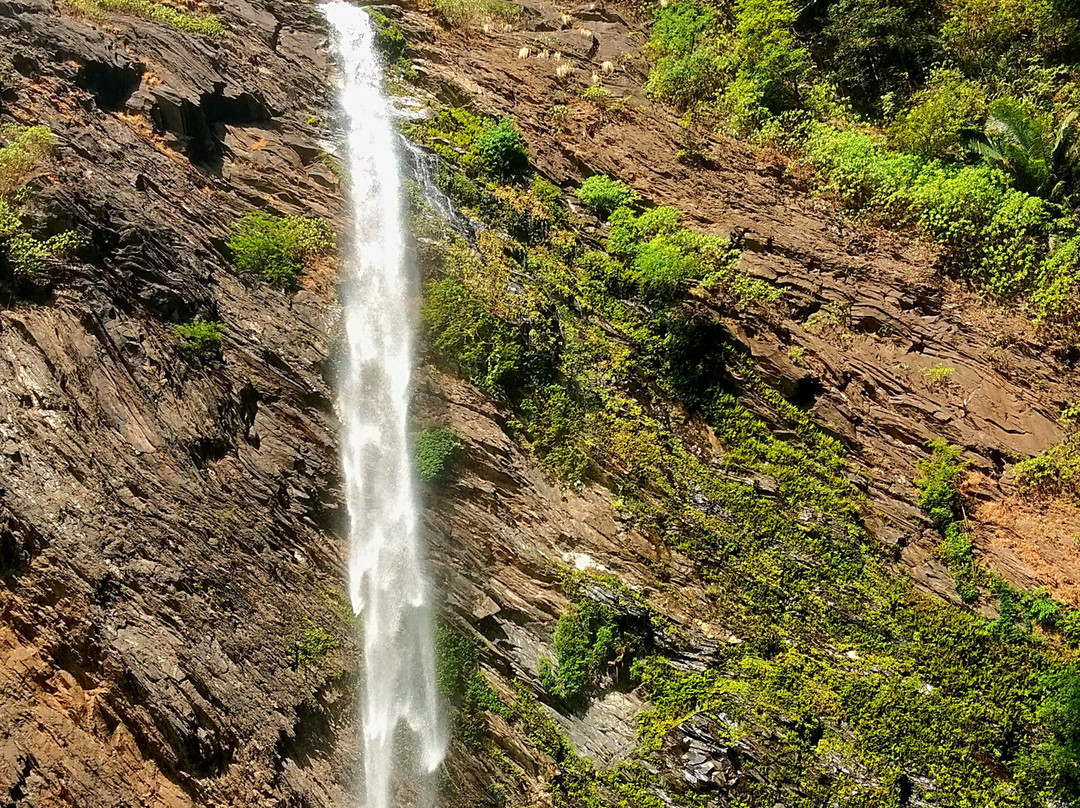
pixel 403 740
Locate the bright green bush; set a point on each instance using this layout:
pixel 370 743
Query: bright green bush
pixel 687 81
pixel 277 248
pixel 1055 472
pixel 603 194
pixel 199 338
pixel 690 69
pixel 937 483
pixel 590 639
pixel 931 126
pixel 502 151
pixel 766 53
pixel 629 230
pixel 681 26
pixel 205 25
pixel 25 146
pixel 435 450
pixel 481 346
pixel 1007 242
pixel 664 270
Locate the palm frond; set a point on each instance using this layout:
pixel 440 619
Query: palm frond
pixel 1011 121
pixel 1062 138
pixel 980 145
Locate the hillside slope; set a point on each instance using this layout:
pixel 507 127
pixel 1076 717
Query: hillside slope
pixel 733 526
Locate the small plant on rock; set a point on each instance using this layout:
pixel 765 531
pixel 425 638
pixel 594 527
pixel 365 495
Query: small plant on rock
pixel 597 93
pixel 313 648
pixel 939 375
pixel 198 339
pixel 938 496
pixel 559 114
pixel 26 145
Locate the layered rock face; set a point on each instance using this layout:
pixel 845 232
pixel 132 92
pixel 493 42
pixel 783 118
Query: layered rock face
pixel 171 529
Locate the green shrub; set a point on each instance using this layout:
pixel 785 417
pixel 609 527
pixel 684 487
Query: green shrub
pixel 474 12
pixel 455 662
pixel 314 646
pixel 502 150
pixel 597 94
pixel 26 256
pixel 1059 712
pixel 663 270
pixel 603 195
pixel 389 38
pixel 629 230
pixel 435 450
pixel 205 25
pixel 592 642
pixel 481 346
pixel 198 338
pixel 1055 472
pixel 937 483
pixel 874 49
pixel 681 26
pixel 1005 241
pixel 278 247
pixel 25 147
pixel 768 57
pixel 452 134
pixel 932 124
pixel 688 81
pixel 690 69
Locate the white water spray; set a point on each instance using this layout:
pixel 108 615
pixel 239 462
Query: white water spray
pixel 387 581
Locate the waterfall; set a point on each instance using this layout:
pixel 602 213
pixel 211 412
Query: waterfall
pixel 387 580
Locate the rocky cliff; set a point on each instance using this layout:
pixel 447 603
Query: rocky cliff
pixel 171 619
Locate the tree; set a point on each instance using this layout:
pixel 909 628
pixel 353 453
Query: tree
pixel 876 47
pixel 1040 158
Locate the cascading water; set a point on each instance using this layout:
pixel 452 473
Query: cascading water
pixel 388 584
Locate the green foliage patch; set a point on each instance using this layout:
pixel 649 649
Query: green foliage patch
pixel 26 256
pixel 204 25
pixel 314 647
pixel 1006 241
pixel 596 641
pixel 501 150
pixel 278 248
pixel 603 195
pixel 435 450
pixel 199 338
pixel 1056 471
